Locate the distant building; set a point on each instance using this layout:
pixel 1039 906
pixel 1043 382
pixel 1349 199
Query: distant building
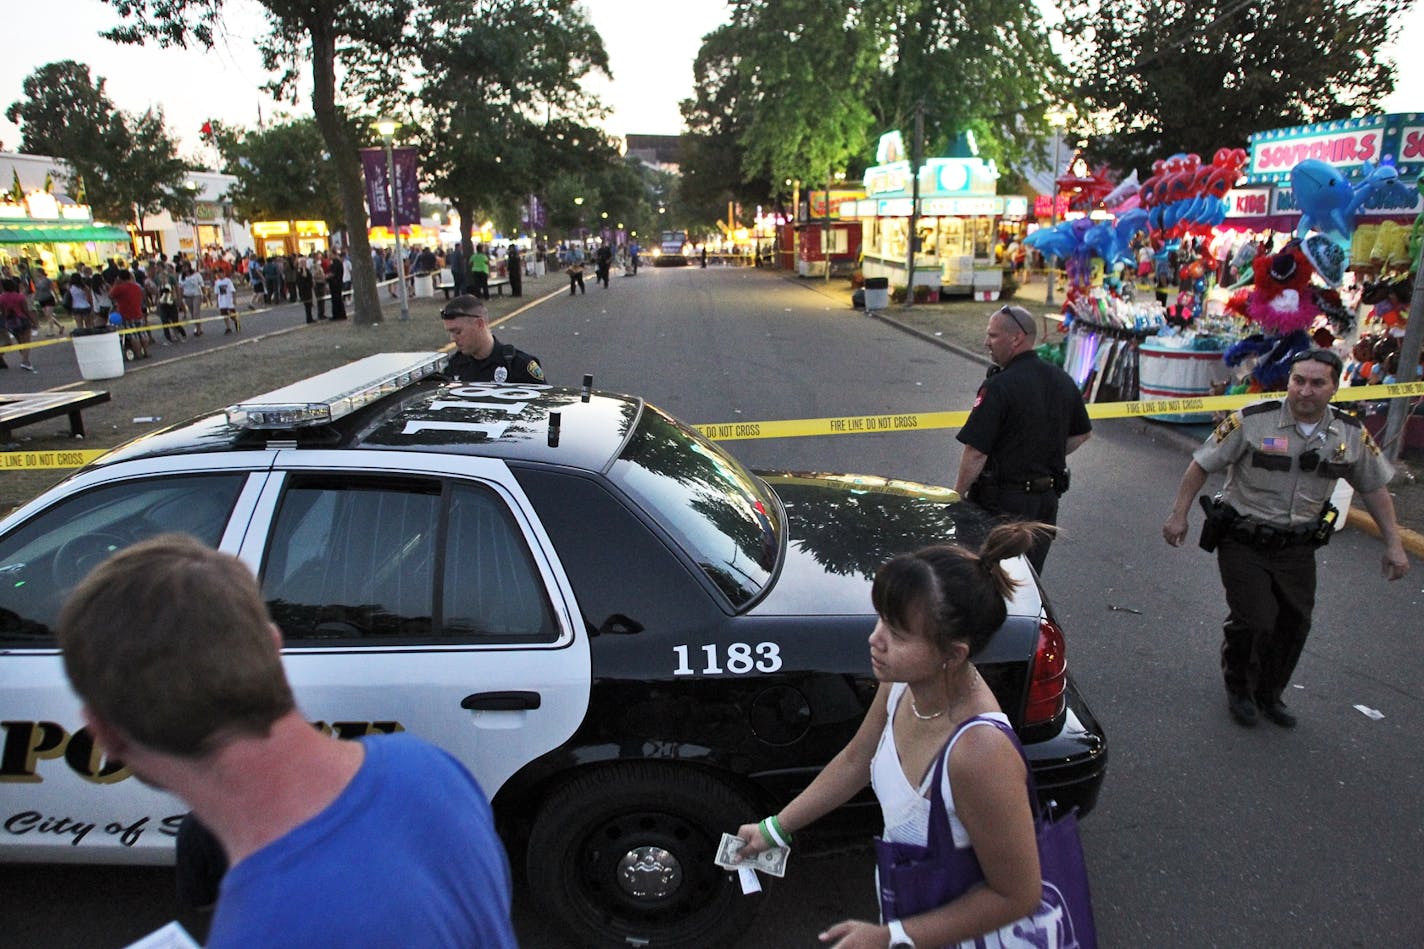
pixel 662 152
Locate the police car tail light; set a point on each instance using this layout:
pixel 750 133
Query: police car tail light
pixel 327 397
pixel 1048 682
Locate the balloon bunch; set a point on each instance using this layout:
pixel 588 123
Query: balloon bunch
pixel 1080 240
pixel 1328 202
pixel 1183 196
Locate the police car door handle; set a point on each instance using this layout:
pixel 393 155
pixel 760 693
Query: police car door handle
pixel 501 701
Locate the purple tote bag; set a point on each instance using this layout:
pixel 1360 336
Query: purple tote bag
pixel 915 879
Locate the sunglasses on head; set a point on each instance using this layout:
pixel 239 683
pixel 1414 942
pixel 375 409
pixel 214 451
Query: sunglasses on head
pixel 1013 314
pixel 448 314
pixel 1324 356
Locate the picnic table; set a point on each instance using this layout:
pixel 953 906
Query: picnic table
pixel 26 408
pixel 446 282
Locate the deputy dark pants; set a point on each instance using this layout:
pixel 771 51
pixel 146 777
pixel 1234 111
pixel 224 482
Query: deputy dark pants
pixel 1023 506
pixel 1270 595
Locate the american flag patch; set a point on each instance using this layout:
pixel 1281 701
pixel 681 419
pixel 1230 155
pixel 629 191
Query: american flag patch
pixel 1275 443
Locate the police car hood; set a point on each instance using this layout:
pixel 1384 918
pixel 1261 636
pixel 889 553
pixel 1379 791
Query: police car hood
pixel 841 527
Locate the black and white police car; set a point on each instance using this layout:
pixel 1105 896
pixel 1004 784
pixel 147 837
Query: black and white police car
pixel 632 642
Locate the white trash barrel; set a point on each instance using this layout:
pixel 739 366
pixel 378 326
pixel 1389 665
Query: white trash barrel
pixel 100 355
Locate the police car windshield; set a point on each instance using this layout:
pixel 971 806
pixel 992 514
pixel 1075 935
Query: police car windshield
pixel 725 519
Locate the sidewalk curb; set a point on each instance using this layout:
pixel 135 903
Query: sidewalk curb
pixel 1361 521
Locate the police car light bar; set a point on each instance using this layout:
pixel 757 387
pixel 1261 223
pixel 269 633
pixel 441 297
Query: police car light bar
pixel 331 395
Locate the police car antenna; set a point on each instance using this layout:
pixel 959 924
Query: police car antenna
pixel 587 385
pixel 554 422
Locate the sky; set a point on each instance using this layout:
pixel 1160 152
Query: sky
pixel 651 46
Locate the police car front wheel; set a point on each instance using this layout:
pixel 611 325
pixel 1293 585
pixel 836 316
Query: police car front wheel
pixel 626 852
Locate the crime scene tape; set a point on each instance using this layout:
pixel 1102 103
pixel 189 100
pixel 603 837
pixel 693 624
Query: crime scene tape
pixel 854 424
pixel 13 460
pixel 925 421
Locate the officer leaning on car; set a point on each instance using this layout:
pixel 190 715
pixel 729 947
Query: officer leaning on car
pixel 479 356
pixel 1282 460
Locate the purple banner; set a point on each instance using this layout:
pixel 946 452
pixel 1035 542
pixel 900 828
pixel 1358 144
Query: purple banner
pixel 373 164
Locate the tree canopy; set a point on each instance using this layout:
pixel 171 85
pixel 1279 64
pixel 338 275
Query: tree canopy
pixel 364 34
pixel 801 88
pixel 283 172
pixel 125 164
pixel 1165 76
pixel 498 108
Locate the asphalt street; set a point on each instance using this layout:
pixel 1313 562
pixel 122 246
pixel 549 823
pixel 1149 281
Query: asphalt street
pixel 1206 834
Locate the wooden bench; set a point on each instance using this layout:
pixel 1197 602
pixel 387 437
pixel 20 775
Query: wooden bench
pixel 446 282
pixel 30 407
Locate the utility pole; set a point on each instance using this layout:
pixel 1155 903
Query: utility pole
pixel 826 228
pixel 1398 416
pixel 915 159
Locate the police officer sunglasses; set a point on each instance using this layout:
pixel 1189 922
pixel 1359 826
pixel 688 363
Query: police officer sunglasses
pixel 1018 315
pixel 449 314
pixel 1324 356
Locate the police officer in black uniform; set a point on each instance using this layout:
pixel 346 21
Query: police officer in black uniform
pixel 1027 418
pixel 479 356
pixel 1282 460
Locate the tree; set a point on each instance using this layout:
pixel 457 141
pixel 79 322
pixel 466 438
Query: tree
pixel 1165 76
pixel 137 173
pixel 808 65
pixel 712 156
pixel 283 173
pixel 63 113
pixel 500 105
pixel 980 66
pixel 126 164
pixel 803 86
pixel 366 32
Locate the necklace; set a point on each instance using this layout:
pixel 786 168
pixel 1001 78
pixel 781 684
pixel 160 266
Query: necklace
pixel 922 716
pixel 915 709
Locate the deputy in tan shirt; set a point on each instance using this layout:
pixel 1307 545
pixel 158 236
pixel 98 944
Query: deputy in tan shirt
pixel 1282 460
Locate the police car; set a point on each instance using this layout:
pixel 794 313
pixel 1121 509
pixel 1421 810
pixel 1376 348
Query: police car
pixel 632 642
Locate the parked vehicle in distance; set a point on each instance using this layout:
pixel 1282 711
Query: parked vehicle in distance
pixel 672 250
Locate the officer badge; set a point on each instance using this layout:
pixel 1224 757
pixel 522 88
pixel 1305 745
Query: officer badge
pixel 501 374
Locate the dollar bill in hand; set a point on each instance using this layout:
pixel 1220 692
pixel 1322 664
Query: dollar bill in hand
pixel 772 861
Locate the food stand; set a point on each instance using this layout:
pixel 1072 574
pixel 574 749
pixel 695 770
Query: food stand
pixel 279 238
pixel 957 220
pixel 57 232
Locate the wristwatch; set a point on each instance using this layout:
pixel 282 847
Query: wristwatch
pixel 899 939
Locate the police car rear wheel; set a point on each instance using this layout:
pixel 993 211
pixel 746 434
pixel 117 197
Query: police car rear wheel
pixel 626 853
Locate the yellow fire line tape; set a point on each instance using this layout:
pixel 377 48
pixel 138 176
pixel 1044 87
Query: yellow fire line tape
pixel 153 326
pixel 13 460
pixel 846 424
pixel 923 421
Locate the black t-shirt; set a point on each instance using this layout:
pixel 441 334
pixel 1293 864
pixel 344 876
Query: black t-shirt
pixel 515 365
pixel 1023 417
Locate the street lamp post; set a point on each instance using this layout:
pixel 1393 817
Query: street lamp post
pixel 1059 121
pixel 387 129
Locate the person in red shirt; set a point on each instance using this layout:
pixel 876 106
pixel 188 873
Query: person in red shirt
pixel 127 297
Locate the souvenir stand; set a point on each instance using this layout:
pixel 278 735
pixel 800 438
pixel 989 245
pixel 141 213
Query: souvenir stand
pixel 1347 195
pixel 1104 318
